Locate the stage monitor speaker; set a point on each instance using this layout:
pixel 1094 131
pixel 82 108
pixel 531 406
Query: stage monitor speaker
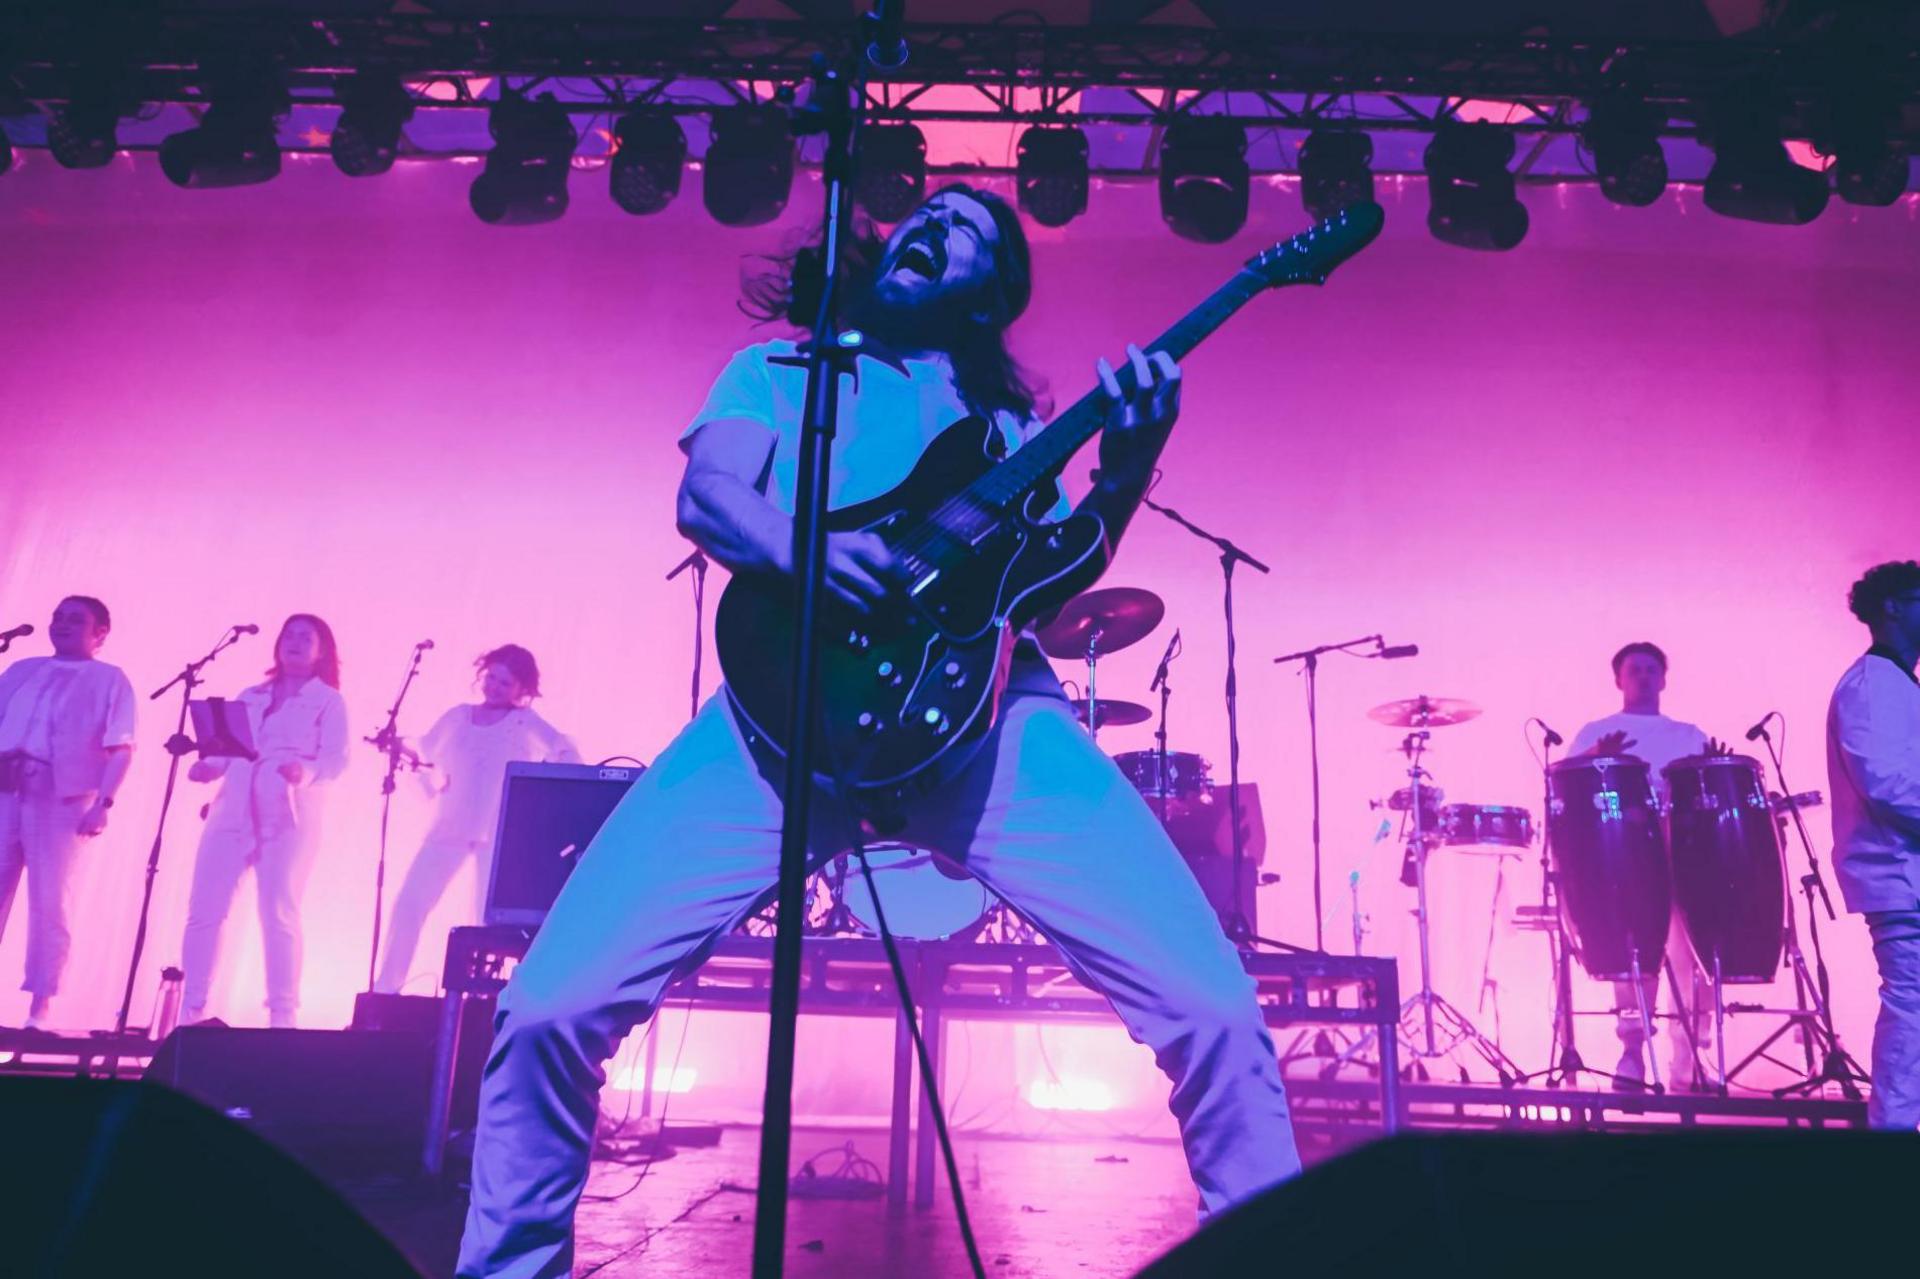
pixel 1726 1201
pixel 549 813
pixel 342 1102
pixel 108 1178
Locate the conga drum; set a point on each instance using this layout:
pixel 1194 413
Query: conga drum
pixel 1610 855
pixel 1728 875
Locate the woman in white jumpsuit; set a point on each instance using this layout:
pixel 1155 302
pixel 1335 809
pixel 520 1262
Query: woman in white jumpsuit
pixel 469 748
pixel 267 814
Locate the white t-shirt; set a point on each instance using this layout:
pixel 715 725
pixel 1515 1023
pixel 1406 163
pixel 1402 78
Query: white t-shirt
pixel 886 422
pixel 1655 738
pixel 470 759
pixel 85 703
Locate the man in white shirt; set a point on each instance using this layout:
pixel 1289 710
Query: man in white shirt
pixel 1039 814
pixel 1873 769
pixel 66 739
pixel 1639 730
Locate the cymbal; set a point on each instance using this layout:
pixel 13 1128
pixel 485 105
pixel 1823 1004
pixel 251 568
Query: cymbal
pixel 1113 714
pixel 1424 712
pixel 1110 618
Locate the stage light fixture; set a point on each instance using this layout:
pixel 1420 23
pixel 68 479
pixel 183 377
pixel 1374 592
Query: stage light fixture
pixel 1870 161
pixel 524 182
pixel 1753 178
pixel 1470 192
pixel 650 150
pixel 234 143
pixel 1051 174
pixel 1335 171
pixel 893 171
pixel 366 138
pixel 1623 137
pixel 749 166
pixel 1204 181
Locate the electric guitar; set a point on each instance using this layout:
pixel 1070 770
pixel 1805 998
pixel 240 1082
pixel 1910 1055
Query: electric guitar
pixel 909 692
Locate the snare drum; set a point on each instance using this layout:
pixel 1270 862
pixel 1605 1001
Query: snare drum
pixel 1487 828
pixel 926 897
pixel 1189 777
pixel 1728 875
pixel 1610 855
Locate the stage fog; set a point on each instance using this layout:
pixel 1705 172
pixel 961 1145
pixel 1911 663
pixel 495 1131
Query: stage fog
pixel 353 399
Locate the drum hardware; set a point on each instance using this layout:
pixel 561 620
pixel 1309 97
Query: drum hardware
pixel 1433 1009
pixel 1424 712
pixel 1164 686
pixel 1090 626
pixel 1309 660
pixel 1109 714
pixel 1812 1014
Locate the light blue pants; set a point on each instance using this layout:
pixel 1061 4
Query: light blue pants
pixel 1040 816
pixel 1895 1102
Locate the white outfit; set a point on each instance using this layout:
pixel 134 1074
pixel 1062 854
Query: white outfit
pixel 1659 740
pixel 60 717
pixel 1040 816
pixel 1873 770
pixel 260 819
pixel 469 759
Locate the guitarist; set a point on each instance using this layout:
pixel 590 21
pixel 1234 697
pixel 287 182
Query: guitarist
pixel 1039 814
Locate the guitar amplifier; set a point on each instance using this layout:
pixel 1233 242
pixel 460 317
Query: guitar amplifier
pixel 549 813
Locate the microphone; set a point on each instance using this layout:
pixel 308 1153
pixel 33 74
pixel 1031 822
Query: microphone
pixel 1390 652
pixel 19 632
pixel 887 49
pixel 1160 675
pixel 1550 737
pixel 1759 730
pixel 246 628
pixel 423 646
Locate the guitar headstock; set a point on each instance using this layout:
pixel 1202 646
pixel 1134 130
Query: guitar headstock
pixel 1309 258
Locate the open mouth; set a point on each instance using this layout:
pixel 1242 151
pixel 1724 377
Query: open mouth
pixel 923 257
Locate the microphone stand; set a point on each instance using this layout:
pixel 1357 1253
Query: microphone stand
pixel 1311 660
pixel 834 105
pixel 6 641
pixel 177 746
pixel 1239 930
pixel 1836 1067
pixel 390 745
pixel 698 563
pixel 1165 688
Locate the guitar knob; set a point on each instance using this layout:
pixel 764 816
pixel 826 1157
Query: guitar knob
pixel 868 723
pixel 954 675
pixel 858 641
pixel 936 720
pixel 887 673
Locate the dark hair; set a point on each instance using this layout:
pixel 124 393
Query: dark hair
pixel 519 663
pixel 327 669
pixel 984 372
pixel 101 617
pixel 1879 584
pixel 1638 646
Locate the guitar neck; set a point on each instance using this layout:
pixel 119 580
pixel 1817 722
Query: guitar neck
pixel 1047 453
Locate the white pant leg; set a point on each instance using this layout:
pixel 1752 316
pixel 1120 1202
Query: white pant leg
pixel 433 868
pixel 217 868
pixel 1048 822
pixel 13 857
pixel 280 877
pixel 691 850
pixel 1895 1101
pixel 50 841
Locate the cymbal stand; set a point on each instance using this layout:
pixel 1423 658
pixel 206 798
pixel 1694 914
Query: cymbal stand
pixel 1836 1066
pixel 1424 1038
pixel 1094 635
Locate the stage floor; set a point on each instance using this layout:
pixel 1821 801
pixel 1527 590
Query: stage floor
pixel 1063 1206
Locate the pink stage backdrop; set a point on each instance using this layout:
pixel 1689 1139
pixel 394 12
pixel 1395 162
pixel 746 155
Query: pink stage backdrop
pixel 355 399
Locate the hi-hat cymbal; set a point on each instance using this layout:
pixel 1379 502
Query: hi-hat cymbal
pixel 1424 712
pixel 1113 714
pixel 1105 620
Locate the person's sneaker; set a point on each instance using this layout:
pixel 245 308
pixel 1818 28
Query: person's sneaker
pixel 1629 1073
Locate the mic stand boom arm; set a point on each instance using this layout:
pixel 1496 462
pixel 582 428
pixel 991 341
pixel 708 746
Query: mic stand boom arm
pixel 388 740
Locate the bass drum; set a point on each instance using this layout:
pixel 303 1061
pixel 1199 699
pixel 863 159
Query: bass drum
pixel 1610 856
pixel 926 897
pixel 1728 875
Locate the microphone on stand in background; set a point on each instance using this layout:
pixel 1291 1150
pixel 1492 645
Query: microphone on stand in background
pixel 423 646
pixel 246 628
pixel 1759 730
pixel 1160 673
pixel 1392 651
pixel 1549 737
pixel 19 632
